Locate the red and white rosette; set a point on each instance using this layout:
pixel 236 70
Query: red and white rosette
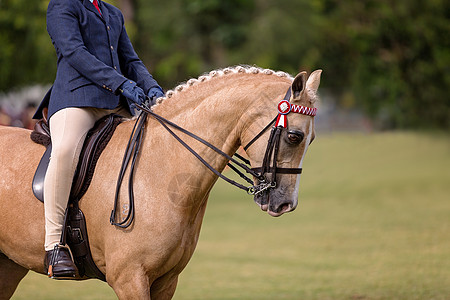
pixel 284 107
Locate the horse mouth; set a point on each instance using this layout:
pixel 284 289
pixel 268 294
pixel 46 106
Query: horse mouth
pixel 264 207
pixel 275 210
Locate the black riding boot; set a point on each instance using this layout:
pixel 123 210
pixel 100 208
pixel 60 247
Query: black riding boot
pixel 59 264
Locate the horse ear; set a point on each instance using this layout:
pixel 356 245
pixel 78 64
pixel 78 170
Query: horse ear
pixel 299 84
pixel 313 81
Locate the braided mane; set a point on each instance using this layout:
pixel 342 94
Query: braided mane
pixel 222 72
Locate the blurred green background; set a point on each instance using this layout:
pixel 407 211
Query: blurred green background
pixel 373 220
pixel 388 59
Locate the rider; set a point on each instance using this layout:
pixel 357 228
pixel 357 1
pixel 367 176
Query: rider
pixel 96 67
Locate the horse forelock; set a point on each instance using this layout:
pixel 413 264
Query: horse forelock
pixel 240 69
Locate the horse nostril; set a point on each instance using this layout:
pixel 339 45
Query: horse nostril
pixel 283 208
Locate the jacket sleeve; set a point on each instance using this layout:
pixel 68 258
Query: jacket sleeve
pixel 131 65
pixel 63 28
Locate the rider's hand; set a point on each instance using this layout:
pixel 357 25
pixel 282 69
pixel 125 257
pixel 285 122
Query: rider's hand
pixel 132 92
pixel 154 93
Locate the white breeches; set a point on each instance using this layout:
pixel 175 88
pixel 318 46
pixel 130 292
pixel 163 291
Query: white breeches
pixel 68 128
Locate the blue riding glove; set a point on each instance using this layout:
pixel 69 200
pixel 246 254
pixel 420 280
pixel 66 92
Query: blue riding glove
pixel 154 93
pixel 132 92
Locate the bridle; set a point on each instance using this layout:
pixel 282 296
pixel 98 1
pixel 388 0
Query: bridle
pixel 269 164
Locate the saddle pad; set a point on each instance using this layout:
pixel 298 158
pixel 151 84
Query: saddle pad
pixel 96 141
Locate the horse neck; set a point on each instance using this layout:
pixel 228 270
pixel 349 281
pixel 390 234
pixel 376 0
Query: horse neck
pixel 218 111
pixel 220 108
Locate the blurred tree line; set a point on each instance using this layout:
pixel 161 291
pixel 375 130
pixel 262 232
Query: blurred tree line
pixel 389 58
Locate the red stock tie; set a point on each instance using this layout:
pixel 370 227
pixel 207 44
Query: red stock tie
pixel 96 6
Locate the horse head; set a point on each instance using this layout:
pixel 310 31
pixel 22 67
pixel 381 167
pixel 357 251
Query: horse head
pixel 277 186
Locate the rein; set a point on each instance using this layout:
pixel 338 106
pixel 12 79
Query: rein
pixel 269 163
pixel 131 152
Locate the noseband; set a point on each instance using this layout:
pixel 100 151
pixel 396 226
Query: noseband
pixel 269 165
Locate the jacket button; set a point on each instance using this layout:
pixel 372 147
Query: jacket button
pixel 109 28
pixel 112 48
pixel 115 67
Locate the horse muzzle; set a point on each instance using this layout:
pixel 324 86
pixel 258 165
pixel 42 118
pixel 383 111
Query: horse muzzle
pixel 276 201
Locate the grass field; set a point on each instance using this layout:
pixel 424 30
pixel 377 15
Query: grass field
pixel 373 222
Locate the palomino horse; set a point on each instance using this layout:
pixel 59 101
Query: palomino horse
pixel 228 108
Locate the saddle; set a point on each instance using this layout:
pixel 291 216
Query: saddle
pixel 75 233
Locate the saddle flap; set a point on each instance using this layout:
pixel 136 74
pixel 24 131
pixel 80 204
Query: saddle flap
pixel 96 141
pixel 39 176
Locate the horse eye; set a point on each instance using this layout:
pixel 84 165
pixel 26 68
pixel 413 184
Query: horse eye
pixel 295 136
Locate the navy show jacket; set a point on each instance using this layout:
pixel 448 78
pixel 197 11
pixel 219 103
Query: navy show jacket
pixel 94 56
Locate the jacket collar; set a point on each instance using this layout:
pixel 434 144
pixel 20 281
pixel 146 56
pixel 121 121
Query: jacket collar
pixel 105 14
